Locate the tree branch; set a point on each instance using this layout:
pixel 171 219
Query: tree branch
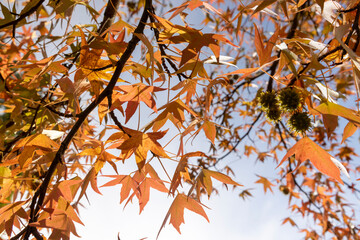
pixel 23 16
pixel 240 139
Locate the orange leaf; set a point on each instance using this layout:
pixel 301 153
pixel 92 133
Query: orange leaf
pixel 134 94
pixel 210 130
pixel 140 143
pixel 245 71
pixel 349 130
pixel 176 211
pixel 128 184
pixel 37 140
pixel 259 44
pixel 187 86
pixel 102 109
pixel 306 149
pixel 204 180
pixel 264 53
pixel 7 214
pixel 266 183
pixel 173 111
pixel 145 190
pixel 220 177
pixel 91 178
pixel 182 170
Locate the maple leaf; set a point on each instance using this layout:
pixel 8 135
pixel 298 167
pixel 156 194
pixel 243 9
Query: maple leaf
pixel 263 5
pixel 246 72
pixel 187 86
pixel 102 156
pixel 128 184
pixel 176 211
pixel 204 180
pixel 196 39
pixel 144 190
pixel 290 221
pixel 173 111
pixel 91 178
pixel 182 170
pixel 9 214
pixel 266 183
pixel 306 149
pixel 61 224
pixel 245 194
pixel 66 189
pixel 134 94
pixel 264 53
pixel 37 140
pixel 139 184
pixel 193 4
pixel 140 143
pixel 210 130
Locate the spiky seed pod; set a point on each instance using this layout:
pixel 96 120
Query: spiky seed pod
pixel 299 122
pixel 273 113
pixel 289 99
pixel 267 100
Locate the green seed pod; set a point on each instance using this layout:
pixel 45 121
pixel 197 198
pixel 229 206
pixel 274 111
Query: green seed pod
pixel 267 100
pixel 289 99
pixel 299 122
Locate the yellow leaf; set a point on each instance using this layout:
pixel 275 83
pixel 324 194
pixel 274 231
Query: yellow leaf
pixel 338 110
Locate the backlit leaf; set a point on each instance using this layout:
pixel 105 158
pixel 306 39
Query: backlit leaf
pixel 176 211
pixel 306 149
pixel 266 183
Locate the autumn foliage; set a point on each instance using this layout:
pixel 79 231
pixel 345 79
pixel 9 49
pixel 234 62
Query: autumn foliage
pixel 149 81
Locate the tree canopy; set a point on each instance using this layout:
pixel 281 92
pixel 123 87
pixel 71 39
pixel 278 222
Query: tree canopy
pixel 145 82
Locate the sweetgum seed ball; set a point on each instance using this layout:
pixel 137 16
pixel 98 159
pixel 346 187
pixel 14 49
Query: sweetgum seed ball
pixel 267 100
pixel 284 189
pixel 289 99
pixel 300 122
pixel 274 113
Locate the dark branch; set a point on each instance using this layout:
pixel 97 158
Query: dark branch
pixel 240 139
pixel 23 16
